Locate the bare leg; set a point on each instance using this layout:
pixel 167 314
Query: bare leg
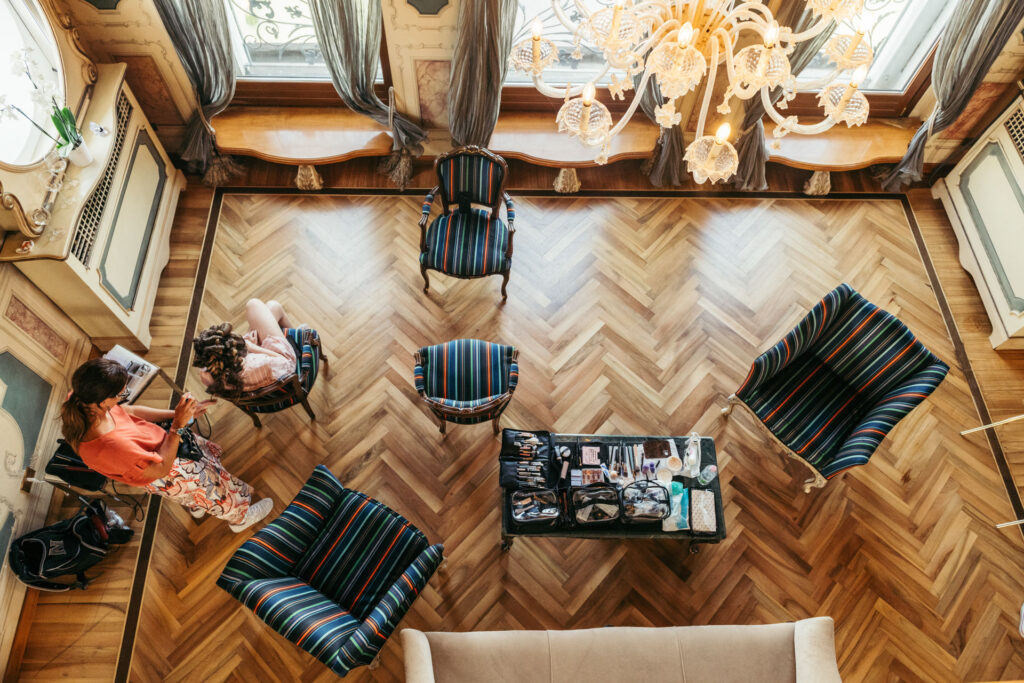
pixel 278 310
pixel 263 320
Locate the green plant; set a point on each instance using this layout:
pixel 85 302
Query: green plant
pixel 67 129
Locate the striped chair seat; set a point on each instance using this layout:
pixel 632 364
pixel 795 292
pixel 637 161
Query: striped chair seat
pixel 466 381
pixel 466 245
pixel 334 573
pixel 835 386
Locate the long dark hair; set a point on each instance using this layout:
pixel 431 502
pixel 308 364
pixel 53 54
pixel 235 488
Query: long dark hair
pixel 93 382
pixel 222 353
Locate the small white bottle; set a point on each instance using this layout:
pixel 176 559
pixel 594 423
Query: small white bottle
pixel 691 462
pixel 707 475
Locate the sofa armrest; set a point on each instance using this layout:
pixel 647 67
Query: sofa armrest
pixel 510 211
pixel 428 204
pixel 363 645
pixel 799 339
pixel 419 377
pixel 879 420
pixel 419 666
pixel 814 644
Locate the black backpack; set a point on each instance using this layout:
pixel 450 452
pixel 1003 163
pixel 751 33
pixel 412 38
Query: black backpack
pixel 67 548
pixel 67 466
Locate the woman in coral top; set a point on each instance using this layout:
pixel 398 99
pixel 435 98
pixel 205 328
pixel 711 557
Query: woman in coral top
pixel 124 444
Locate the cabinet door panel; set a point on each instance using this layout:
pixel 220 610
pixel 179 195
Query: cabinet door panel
pixel 135 215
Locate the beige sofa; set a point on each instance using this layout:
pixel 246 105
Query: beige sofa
pixel 803 651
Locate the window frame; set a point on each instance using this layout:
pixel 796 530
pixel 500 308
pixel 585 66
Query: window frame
pixel 298 92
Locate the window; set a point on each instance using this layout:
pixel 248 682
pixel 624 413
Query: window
pixel 901 32
pixel 275 40
pixel 567 69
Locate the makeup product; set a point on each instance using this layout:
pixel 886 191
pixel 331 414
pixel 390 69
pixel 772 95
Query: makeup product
pixel 590 455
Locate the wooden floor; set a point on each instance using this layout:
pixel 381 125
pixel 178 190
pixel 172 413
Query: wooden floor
pixel 632 315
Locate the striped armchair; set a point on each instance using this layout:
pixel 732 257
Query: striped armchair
pixel 467 381
pixel 468 239
pixel 334 573
pixel 286 391
pixel 835 386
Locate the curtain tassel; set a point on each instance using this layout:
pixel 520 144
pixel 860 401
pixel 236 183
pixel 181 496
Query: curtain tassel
pixel 397 167
pixel 221 169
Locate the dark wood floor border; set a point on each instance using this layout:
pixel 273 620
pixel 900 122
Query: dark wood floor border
pixel 1002 466
pixel 131 620
pixel 149 531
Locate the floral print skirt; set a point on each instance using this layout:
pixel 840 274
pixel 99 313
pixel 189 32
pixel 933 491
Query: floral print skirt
pixel 205 485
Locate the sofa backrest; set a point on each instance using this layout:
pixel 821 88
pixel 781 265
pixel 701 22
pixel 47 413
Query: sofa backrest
pixel 782 653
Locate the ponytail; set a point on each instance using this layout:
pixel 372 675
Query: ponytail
pixel 93 382
pixel 74 420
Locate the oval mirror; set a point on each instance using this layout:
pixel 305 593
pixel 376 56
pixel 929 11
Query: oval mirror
pixel 31 78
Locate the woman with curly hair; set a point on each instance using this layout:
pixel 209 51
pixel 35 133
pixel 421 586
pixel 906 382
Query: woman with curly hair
pixel 232 362
pixel 124 444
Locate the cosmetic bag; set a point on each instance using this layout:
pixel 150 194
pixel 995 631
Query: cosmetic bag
pixel 645 501
pixel 596 504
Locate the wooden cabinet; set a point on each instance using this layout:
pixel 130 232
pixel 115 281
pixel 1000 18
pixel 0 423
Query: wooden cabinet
pixel 984 197
pixel 101 254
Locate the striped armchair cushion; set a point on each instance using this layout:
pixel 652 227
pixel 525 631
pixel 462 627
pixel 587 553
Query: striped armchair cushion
pixel 307 356
pixel 355 593
pixel 476 175
pixel 466 245
pixel 466 370
pixel 839 381
pixel 362 550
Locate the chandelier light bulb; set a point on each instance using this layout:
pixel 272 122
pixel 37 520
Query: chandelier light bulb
pixel 538 27
pixel 722 134
pixel 771 34
pixel 859 75
pixel 685 34
pixel 589 93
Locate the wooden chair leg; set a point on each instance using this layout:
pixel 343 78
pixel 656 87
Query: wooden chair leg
pixel 494 424
pixel 255 419
pixel 323 361
pixel 504 285
pixel 442 425
pixel 309 411
pixel 426 280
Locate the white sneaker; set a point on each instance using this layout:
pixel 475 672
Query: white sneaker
pixel 255 513
pixel 197 513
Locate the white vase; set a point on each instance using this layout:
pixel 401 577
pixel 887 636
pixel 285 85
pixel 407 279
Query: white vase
pixel 80 155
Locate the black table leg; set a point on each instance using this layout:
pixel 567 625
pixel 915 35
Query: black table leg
pixel 506 543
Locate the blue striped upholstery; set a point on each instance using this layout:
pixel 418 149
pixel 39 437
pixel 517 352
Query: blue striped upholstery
pixel 467 381
pixel 471 173
pixel 470 239
pixel 307 366
pixel 334 573
pixel 840 381
pixel 466 245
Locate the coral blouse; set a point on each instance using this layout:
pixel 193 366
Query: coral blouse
pixel 127 449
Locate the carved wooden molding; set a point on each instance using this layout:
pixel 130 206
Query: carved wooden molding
pixel 9 202
pixel 89 73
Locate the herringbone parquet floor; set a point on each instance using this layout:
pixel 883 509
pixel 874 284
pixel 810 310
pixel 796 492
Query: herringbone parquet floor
pixel 632 315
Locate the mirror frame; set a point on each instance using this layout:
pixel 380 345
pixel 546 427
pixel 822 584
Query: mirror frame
pixel 80 74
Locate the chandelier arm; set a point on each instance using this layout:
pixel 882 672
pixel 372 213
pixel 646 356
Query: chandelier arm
pixel 709 87
pixel 793 126
pixel 749 8
pixel 812 32
pixel 551 91
pixel 730 65
pixel 817 84
pixel 561 16
pixel 632 107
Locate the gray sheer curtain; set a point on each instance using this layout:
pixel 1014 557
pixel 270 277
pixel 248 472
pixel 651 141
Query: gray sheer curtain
pixel 751 145
pixel 349 32
pixel 479 64
pixel 665 165
pixel 975 34
pixel 199 32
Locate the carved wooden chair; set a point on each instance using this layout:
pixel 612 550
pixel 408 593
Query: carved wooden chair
pixel 286 391
pixel 467 381
pixel 468 239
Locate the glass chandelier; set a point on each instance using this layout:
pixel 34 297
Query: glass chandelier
pixel 681 43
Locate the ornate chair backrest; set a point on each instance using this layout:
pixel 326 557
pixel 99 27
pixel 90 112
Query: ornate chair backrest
pixel 471 175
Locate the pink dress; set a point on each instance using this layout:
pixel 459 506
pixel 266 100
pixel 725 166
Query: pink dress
pixel 264 363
